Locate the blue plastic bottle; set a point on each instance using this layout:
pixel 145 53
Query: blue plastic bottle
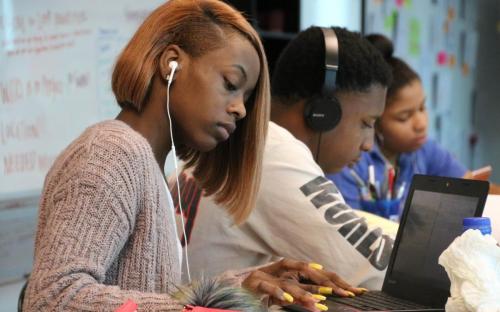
pixel 479 223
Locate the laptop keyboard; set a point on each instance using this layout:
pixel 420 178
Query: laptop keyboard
pixel 376 300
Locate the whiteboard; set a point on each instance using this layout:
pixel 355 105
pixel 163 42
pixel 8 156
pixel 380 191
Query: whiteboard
pixel 325 13
pixel 56 58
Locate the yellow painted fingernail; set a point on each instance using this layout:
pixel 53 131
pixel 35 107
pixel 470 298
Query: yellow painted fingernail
pixel 325 290
pixel 315 266
pixel 287 297
pixel 351 294
pixel 321 307
pixel 363 289
pixel 319 297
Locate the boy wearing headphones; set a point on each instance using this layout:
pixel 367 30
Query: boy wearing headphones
pixel 328 88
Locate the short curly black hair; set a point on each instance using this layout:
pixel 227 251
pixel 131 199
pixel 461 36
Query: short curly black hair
pixel 300 69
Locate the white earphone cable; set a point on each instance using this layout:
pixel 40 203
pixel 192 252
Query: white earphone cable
pixel 169 82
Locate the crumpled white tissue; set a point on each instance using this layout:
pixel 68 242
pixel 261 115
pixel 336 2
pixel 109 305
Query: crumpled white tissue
pixel 472 262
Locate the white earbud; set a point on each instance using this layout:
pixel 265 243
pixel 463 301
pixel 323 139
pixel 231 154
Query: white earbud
pixel 173 66
pixel 170 77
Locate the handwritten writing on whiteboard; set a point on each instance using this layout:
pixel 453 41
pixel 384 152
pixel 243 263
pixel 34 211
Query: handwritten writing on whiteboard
pixel 56 60
pixel 43 31
pixel 45 19
pixel 30 161
pixel 43 44
pixel 21 130
pixel 19 162
pixel 18 89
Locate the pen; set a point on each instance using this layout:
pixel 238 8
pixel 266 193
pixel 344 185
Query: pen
pixel 371 175
pixel 378 189
pixel 365 193
pixel 356 177
pixel 385 184
pixel 373 191
pixel 390 182
pixel 371 182
pixel 401 190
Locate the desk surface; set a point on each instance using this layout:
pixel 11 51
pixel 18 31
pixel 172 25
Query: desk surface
pixel 492 210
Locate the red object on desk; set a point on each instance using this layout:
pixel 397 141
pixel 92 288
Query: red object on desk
pixel 128 306
pixel 390 183
pixel 190 308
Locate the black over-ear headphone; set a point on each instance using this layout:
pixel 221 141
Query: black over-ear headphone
pixel 323 112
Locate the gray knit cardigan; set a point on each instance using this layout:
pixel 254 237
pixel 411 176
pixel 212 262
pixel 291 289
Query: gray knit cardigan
pixel 105 233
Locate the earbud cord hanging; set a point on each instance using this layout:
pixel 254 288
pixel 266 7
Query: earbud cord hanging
pixel 317 147
pixel 169 82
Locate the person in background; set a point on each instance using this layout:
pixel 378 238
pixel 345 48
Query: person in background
pixel 193 74
pixel 299 213
pixel 402 147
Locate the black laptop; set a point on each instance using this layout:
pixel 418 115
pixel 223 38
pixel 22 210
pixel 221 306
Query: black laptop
pixel 431 220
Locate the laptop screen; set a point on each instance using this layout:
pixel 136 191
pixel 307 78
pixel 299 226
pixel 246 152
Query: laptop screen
pixel 431 222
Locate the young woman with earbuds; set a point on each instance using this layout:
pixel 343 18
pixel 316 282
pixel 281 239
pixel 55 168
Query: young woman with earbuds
pixel 106 230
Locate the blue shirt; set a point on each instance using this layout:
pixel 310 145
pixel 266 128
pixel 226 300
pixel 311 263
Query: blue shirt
pixel 430 159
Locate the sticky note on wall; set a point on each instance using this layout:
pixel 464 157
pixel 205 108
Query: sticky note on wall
pixel 442 58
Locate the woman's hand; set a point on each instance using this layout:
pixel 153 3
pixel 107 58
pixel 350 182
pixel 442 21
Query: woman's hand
pixel 289 281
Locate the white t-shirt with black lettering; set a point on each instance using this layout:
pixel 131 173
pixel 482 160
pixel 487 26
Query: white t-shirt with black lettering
pixel 299 214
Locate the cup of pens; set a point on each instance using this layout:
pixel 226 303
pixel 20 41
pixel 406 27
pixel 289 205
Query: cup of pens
pixel 383 200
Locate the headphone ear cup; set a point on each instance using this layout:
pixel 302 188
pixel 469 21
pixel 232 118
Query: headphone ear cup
pixel 322 114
